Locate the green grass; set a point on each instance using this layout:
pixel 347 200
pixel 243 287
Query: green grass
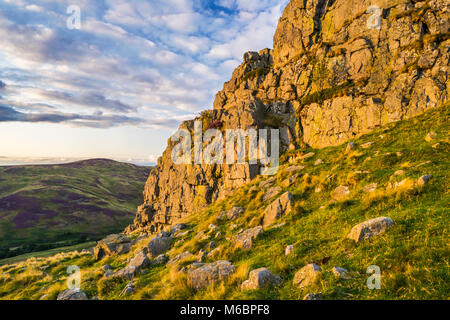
pixel 413 255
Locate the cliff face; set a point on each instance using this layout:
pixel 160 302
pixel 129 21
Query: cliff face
pixel 339 68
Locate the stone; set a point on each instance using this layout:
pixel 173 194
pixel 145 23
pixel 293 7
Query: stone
pixel 370 187
pixel 160 260
pixel 370 228
pixel 180 258
pixel 290 181
pixel 307 275
pixel 114 244
pixel 312 297
pixel 272 192
pixel 294 168
pixel 235 213
pixel 340 273
pixel 260 278
pixel 212 273
pixel 72 294
pixel 340 193
pixel 424 180
pixel 178 227
pixel 267 183
pixel 140 259
pixel 127 273
pixel 246 238
pixel 159 245
pixel 129 289
pixel 106 267
pixel 350 147
pixel 278 208
pixel 289 250
pixel 430 136
pixel 318 162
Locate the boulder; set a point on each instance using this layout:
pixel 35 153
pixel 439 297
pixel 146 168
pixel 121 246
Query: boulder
pixel 312 297
pixel 159 245
pixel 272 192
pixel 370 228
pixel 160 260
pixel 423 180
pixel 113 244
pixel 290 181
pixel 245 238
pixel 208 274
pixel 289 250
pixel 340 273
pixel 235 213
pixel 340 193
pixel 260 278
pixel 307 275
pixel 127 273
pixel 72 294
pixel 180 258
pixel 278 208
pixel 140 259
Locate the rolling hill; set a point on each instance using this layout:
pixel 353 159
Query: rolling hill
pixel 46 206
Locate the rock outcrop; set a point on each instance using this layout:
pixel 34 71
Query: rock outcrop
pixel 338 69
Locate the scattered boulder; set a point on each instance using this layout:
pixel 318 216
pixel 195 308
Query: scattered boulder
pixel 129 289
pixel 160 260
pixel 318 162
pixel 290 181
pixel 340 273
pixel 72 294
pixel 140 259
pixel 313 297
pixel 294 168
pixel 208 274
pixel 307 156
pixel 159 245
pixel 272 192
pixel 177 227
pixel 370 188
pixel 350 146
pixel 267 183
pixel 423 180
pixel 180 258
pixel 366 145
pixel 260 278
pixel 430 136
pixel 278 208
pixel 340 193
pixel 112 244
pixel 307 275
pixel 370 228
pixel 245 238
pixel 128 273
pixel 289 250
pixel 235 213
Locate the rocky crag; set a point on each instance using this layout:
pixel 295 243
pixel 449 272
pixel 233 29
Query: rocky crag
pixel 339 69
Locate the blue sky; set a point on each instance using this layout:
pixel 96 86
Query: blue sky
pixel 121 84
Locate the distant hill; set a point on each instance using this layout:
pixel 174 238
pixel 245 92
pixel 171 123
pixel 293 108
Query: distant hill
pixel 46 206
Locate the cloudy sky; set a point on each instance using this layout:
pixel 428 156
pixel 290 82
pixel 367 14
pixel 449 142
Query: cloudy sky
pixel 118 86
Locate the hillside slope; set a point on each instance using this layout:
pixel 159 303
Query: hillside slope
pixel 413 255
pixel 53 205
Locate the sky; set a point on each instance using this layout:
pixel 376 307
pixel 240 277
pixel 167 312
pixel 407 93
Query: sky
pixel 119 83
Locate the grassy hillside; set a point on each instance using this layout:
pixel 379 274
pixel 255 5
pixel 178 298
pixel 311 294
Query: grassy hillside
pixel 413 255
pixel 47 206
